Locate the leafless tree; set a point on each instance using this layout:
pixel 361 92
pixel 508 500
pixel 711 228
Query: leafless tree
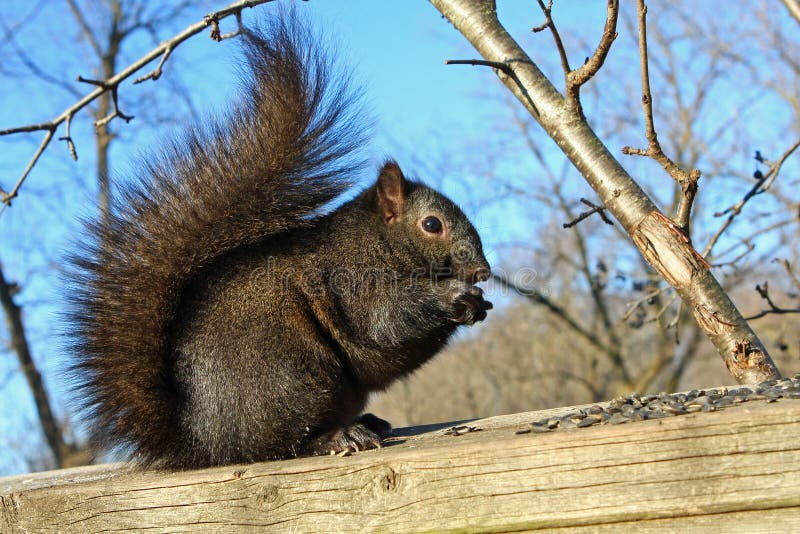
pixel 607 322
pixel 104 31
pixel 664 242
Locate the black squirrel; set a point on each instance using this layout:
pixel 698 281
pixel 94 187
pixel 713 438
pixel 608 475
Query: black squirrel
pixel 221 316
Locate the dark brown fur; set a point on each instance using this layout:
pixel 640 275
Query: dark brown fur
pixel 220 318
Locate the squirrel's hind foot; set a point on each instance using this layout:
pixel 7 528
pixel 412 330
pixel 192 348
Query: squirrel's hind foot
pixel 362 435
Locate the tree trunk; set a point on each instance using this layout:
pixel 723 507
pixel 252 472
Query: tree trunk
pixel 665 247
pixel 19 343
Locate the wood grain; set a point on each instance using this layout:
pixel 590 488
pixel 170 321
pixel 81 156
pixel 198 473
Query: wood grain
pixel 734 470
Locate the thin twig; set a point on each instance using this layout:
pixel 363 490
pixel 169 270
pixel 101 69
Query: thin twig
pixel 114 98
pixel 686 179
pixel 482 62
pixel 600 210
pixel 219 36
pixel 748 240
pixel 774 309
pixel 7 197
pixel 763 184
pixel 155 74
pixel 548 23
pixel 788 267
pixel 68 138
pixel 584 73
pixel 750 247
pixel 112 84
pixel 632 306
pixel 116 113
pixel 663 309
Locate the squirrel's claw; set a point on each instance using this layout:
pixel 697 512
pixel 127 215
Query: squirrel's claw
pixel 355 438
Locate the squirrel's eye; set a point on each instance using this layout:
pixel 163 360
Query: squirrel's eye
pixel 432 225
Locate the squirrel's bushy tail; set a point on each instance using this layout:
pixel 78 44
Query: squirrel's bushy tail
pixel 279 156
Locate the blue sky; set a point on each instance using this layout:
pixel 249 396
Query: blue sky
pixel 430 116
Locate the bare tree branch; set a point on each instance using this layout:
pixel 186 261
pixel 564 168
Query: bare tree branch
pixel 794 8
pixel 87 31
pixel 538 297
pixel 7 197
pixel 659 240
pixel 112 84
pixel 600 210
pixel 763 183
pixel 763 291
pixel 584 73
pixel 548 23
pixel 37 71
pixel 480 62
pixel 102 121
pixel 155 74
pixel 687 180
pixel 574 79
pixel 788 267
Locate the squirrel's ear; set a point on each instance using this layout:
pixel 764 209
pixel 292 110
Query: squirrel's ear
pixel 391 188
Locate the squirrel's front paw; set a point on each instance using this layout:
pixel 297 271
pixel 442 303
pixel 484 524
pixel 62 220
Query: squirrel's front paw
pixel 469 306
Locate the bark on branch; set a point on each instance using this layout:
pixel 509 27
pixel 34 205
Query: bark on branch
pixel 794 8
pixel 660 241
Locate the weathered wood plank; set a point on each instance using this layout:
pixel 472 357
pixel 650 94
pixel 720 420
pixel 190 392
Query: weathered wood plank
pixel 736 470
pixel 751 522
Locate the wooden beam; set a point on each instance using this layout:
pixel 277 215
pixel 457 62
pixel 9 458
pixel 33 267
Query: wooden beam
pixel 735 469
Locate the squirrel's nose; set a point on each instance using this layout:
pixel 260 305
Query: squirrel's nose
pixel 473 272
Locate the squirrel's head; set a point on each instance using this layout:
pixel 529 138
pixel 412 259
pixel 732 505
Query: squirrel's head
pixel 438 238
